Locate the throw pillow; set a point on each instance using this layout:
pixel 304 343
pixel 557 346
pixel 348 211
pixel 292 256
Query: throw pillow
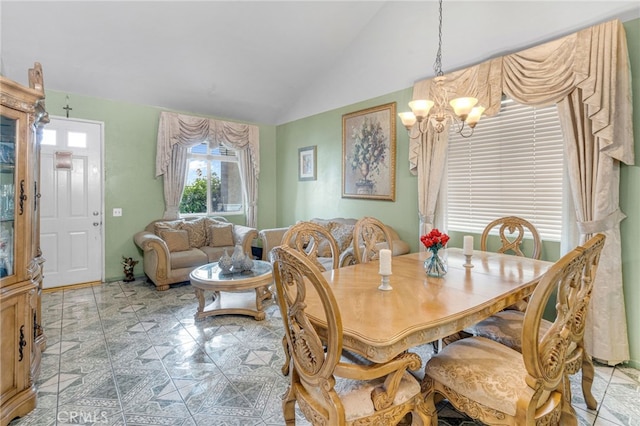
pixel 197 232
pixel 166 224
pixel 176 239
pixel 220 234
pixel 343 234
pixel 324 248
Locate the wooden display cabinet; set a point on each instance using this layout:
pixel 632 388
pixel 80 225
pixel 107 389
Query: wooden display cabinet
pixel 22 116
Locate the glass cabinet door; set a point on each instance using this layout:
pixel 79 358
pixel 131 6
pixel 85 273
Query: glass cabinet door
pixel 8 132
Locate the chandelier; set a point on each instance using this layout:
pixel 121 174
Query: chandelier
pixel 465 112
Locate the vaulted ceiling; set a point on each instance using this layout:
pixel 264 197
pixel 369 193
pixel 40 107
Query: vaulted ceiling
pixel 269 61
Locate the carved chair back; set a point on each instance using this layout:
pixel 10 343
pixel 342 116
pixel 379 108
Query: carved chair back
pixel 369 237
pixel 509 226
pixel 310 239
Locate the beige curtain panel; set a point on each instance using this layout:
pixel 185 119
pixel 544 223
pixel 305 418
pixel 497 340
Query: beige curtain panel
pixel 587 74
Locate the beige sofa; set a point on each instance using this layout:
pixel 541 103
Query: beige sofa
pixel 173 248
pixel 342 231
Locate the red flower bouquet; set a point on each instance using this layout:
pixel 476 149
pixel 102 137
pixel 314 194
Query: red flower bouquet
pixel 434 240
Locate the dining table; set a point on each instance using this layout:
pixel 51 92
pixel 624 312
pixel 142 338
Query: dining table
pixel 419 309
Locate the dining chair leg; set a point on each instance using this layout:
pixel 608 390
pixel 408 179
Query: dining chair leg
pixel 588 373
pixel 289 407
pixel 287 357
pixel 568 415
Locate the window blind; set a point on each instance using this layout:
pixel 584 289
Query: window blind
pixel 511 166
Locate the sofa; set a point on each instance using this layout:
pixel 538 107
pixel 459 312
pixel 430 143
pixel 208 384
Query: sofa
pixel 171 249
pixel 341 229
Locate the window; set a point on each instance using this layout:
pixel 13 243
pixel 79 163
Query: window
pixel 213 182
pixel 511 166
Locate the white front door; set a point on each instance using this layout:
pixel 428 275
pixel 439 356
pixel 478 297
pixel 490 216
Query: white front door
pixel 71 209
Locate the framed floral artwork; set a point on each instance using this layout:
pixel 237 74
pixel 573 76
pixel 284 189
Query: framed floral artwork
pixel 369 153
pixel 307 163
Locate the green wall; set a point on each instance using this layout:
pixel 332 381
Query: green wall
pixel 630 205
pixel 323 197
pixel 130 133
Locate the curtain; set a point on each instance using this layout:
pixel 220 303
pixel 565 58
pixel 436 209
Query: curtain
pixel 177 133
pixel 429 156
pixel 587 74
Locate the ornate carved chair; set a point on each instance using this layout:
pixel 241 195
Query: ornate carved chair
pixel 327 390
pixel 369 237
pixel 499 385
pixel 506 326
pixel 309 239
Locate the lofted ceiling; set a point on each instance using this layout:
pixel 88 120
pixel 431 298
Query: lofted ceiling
pixel 269 62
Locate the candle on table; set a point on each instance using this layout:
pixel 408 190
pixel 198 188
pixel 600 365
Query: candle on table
pixel 467 246
pixel 385 262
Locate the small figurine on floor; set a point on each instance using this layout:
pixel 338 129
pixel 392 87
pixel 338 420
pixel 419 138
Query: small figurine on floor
pixel 128 263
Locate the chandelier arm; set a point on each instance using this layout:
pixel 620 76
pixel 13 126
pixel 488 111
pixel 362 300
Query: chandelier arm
pixel 420 127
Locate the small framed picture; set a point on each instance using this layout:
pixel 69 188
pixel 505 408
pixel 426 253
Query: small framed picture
pixel 307 163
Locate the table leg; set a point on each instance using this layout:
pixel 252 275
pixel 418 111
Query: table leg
pixel 200 297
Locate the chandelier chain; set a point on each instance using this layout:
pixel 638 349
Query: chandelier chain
pixel 437 65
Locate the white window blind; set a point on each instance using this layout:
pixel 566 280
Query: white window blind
pixel 511 166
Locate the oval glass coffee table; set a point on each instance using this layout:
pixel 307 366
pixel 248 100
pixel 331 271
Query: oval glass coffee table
pixel 244 292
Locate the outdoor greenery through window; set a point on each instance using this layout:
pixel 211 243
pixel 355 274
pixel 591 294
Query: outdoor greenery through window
pixel 213 184
pixel 511 166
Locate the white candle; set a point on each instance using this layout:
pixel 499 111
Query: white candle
pixel 467 245
pixel 385 262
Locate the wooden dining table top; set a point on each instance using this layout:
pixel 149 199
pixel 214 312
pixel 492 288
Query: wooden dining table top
pixel 419 309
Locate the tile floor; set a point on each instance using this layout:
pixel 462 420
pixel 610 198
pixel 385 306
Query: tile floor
pixel 126 354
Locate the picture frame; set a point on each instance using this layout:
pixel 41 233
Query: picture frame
pixel 369 153
pixel 307 163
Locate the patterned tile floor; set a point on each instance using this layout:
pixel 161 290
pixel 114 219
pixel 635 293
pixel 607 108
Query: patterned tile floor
pixel 126 354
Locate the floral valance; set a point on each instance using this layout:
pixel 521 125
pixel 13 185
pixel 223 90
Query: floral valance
pixel 594 60
pixel 184 129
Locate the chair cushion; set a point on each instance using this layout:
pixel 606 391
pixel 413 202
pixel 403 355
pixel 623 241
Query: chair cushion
pixel 196 230
pixel 177 240
pixel 505 327
pixel 356 394
pixel 220 234
pixel 484 371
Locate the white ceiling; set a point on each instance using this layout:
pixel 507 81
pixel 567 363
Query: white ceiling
pixel 267 61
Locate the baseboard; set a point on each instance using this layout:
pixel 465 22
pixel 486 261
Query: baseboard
pixel 71 287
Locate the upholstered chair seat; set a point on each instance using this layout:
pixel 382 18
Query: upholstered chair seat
pixel 470 369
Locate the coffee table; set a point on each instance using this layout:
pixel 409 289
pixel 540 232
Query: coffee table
pixel 244 292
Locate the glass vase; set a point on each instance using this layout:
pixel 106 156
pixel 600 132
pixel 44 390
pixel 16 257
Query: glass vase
pixel 436 264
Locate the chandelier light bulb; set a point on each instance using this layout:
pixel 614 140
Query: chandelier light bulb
pixel 420 108
pixel 474 116
pixel 408 119
pixel 463 106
